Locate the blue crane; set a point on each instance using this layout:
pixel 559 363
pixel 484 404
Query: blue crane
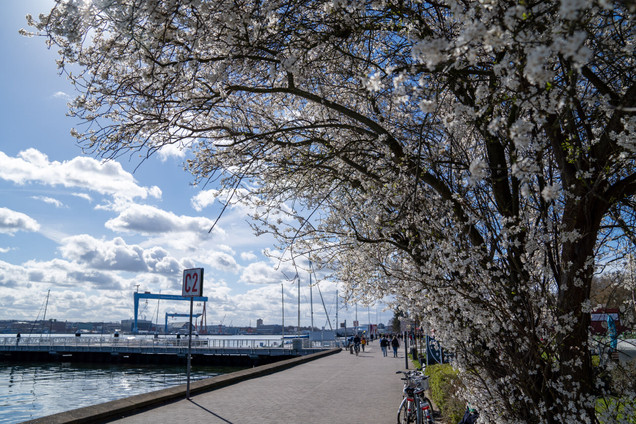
pixel 148 295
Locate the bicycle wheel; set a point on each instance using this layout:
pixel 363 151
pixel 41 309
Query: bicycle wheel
pixel 406 414
pixel 426 411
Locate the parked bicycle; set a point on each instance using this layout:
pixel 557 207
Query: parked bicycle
pixel 415 407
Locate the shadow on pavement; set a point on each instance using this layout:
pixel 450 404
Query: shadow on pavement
pixel 210 412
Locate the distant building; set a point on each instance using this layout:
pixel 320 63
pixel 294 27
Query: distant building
pixel 269 329
pixel 598 324
pixel 142 325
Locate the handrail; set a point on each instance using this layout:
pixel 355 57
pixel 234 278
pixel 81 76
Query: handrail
pixel 161 342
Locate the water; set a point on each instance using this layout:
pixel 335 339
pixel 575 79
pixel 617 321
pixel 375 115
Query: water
pixel 33 390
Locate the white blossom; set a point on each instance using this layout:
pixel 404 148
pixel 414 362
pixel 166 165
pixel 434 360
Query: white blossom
pixel 550 193
pixel 478 170
pixel 458 158
pixel 373 83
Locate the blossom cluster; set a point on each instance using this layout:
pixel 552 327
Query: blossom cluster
pixel 460 158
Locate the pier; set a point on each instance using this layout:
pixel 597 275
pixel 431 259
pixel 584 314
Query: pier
pixel 323 388
pixel 161 350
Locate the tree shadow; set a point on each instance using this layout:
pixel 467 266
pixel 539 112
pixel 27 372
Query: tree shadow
pixel 210 412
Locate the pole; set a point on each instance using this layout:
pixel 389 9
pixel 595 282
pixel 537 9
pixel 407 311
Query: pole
pixel 311 298
pixel 357 315
pixel 44 317
pixel 298 326
pixel 282 298
pixel 337 322
pixel 377 319
pixel 406 350
pixel 427 350
pixel 369 319
pixel 189 348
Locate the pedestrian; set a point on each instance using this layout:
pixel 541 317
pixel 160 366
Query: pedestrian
pixel 363 342
pixel 395 344
pixel 356 344
pixel 470 416
pixel 384 345
pixel 17 339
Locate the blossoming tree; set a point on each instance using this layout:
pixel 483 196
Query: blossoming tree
pixel 468 158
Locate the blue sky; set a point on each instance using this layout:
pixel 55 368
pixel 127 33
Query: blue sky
pixel 93 232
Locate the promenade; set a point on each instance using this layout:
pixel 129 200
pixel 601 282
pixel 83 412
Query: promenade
pixel 336 388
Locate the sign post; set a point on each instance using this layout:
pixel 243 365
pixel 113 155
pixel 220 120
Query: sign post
pixel 192 287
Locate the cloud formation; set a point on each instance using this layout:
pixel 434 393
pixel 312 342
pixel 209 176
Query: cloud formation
pixel 59 274
pixel 49 200
pixel 12 221
pixel 222 261
pixel 109 178
pixel 145 219
pixel 117 255
pixel 266 273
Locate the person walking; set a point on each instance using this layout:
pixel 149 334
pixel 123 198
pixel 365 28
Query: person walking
pixel 395 344
pixel 384 345
pixel 363 342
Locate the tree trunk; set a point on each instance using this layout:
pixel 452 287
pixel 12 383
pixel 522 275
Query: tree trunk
pixel 582 217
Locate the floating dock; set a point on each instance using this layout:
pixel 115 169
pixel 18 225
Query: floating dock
pixel 204 351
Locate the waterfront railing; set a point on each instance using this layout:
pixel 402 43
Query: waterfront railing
pixel 197 342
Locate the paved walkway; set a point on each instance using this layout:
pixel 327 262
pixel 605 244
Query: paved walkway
pixel 337 388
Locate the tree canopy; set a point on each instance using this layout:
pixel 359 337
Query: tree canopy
pixel 475 160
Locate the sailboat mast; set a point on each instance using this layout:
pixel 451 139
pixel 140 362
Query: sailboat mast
pixel 337 323
pixel 157 320
pixel 46 304
pixel 311 298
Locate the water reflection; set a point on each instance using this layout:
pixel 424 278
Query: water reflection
pixel 32 390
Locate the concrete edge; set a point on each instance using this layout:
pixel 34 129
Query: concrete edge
pixel 130 405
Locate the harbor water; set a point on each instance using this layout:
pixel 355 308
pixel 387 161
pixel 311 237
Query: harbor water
pixel 34 390
pixel 30 390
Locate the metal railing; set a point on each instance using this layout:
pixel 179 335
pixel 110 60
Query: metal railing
pixel 137 342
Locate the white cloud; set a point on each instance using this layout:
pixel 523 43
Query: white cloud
pixel 10 275
pixel 204 199
pixel 145 219
pixel 116 255
pixel 107 178
pixel 176 150
pixel 12 221
pixel 49 200
pixel 218 294
pixel 225 248
pixel 222 261
pixel 240 199
pixel 65 303
pixel 264 273
pixel 62 95
pixel 248 256
pixel 83 196
pixel 58 273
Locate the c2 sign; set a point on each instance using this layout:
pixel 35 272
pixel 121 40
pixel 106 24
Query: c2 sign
pixel 192 282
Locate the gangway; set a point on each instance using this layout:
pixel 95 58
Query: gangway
pixel 148 295
pixel 165 329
